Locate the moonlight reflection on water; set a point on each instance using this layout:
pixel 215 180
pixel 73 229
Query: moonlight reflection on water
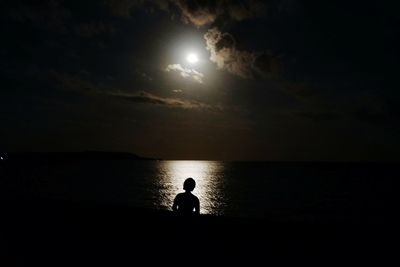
pixel 209 183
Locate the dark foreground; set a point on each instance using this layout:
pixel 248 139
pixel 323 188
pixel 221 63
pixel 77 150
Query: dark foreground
pixel 57 233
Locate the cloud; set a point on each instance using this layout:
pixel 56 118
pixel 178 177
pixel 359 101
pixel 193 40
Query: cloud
pixel 123 8
pixel 79 84
pixel 201 13
pixel 147 98
pixel 196 12
pixel 186 72
pixel 224 53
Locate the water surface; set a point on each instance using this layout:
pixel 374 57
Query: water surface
pixel 249 189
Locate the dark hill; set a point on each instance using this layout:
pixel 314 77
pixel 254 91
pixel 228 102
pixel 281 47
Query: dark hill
pixel 85 155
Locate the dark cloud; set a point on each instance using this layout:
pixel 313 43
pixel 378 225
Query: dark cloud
pixel 242 10
pixel 147 98
pixel 268 65
pixel 200 12
pixel 225 54
pixel 196 12
pixel 123 8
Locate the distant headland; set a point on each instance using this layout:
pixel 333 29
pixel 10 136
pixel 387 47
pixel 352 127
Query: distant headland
pixel 83 155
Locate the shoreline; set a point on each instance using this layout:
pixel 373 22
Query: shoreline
pixel 78 231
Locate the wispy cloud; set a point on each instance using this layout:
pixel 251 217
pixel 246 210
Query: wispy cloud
pixel 186 72
pixel 143 97
pixel 76 83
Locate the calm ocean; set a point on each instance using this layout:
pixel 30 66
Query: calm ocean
pixel 244 189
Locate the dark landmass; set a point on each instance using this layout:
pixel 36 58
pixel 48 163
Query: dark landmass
pixel 84 155
pixel 60 233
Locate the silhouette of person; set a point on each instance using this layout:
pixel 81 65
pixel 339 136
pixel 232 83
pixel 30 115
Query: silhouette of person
pixel 186 203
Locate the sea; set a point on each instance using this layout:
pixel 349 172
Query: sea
pixel 285 190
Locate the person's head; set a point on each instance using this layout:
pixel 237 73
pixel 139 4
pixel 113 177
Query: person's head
pixel 189 184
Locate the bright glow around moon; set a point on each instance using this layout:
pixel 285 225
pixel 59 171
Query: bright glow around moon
pixel 192 58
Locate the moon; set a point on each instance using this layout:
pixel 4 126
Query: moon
pixel 192 58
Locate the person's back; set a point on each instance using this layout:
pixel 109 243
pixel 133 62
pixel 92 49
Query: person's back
pixel 186 203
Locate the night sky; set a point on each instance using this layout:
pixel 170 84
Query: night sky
pixel 275 80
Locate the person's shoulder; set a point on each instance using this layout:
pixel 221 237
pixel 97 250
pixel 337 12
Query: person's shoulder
pixel 179 195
